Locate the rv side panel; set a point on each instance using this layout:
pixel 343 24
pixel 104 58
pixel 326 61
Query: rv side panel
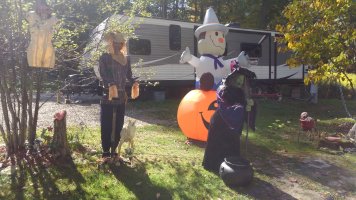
pixel 162 63
pixel 270 64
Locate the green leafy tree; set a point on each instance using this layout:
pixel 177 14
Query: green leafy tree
pixel 168 9
pixel 321 34
pixel 15 90
pixel 259 14
pixel 20 85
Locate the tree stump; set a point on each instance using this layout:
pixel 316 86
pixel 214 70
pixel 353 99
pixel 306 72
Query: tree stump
pixel 59 143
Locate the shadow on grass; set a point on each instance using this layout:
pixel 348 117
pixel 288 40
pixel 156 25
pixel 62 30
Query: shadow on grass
pixel 44 175
pixel 186 186
pixel 287 168
pixel 315 169
pixel 259 189
pixel 137 180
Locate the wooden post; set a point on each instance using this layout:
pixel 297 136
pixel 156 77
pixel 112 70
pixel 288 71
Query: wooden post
pixel 59 143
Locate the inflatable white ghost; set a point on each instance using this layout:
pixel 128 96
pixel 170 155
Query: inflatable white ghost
pixel 211 46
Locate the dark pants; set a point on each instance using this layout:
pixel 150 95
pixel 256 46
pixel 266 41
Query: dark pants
pixel 106 119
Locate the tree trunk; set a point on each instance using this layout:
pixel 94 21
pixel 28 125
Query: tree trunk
pixel 32 133
pixel 164 5
pixel 183 15
pixel 175 10
pixel 24 102
pixel 265 9
pixel 352 86
pixel 29 110
pixel 195 11
pixel 216 8
pixel 202 13
pixel 59 143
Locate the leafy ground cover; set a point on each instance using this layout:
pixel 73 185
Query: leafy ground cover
pixel 166 166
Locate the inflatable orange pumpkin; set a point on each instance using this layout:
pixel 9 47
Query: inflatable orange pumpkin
pixel 194 113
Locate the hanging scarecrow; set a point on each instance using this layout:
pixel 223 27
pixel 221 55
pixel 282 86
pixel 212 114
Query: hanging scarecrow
pixel 40 52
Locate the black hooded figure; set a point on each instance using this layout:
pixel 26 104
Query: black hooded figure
pixel 225 128
pixel 242 78
pixel 227 122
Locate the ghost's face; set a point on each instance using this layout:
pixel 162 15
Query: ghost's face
pixel 214 43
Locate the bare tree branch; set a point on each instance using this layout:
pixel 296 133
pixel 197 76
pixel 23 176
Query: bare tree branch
pixel 32 134
pixel 3 134
pixel 4 105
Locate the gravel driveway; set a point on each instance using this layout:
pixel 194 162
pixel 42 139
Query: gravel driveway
pixel 84 110
pixel 77 114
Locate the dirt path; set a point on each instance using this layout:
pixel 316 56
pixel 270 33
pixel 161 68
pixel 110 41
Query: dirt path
pixel 282 175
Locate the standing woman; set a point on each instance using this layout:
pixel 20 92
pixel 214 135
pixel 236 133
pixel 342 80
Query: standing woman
pixel 114 69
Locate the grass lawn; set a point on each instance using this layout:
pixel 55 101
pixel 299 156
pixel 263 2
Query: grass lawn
pixel 166 167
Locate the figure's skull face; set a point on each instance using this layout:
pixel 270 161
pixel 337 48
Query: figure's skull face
pixel 214 43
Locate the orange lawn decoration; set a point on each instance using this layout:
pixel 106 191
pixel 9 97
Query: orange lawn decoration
pixel 194 113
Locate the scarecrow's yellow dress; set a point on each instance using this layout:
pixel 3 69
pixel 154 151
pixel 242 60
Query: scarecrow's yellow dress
pixel 40 52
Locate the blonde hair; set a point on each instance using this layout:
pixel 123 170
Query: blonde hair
pixel 112 37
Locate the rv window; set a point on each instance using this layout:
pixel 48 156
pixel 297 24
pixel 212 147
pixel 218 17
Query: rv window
pixel 139 47
pixel 252 49
pixel 174 37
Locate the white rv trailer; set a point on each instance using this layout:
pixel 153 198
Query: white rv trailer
pixel 261 46
pixel 155 53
